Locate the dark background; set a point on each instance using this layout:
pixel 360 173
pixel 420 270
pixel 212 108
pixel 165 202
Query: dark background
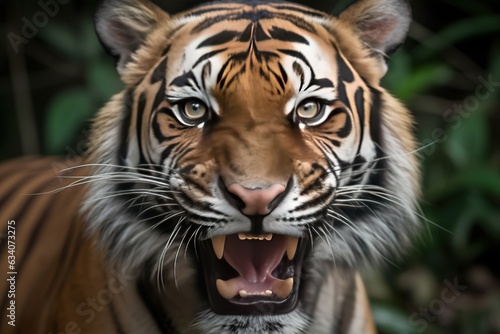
pixel 51 86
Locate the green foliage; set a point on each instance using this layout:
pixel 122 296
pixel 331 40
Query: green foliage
pixel 461 185
pixel 70 109
pixel 65 115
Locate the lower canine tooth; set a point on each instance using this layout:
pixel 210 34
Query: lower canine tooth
pixel 283 289
pixel 243 293
pixel 291 247
pixel 218 243
pixel 269 292
pixel 224 289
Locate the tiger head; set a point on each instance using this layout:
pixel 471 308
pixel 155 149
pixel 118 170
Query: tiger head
pixel 251 150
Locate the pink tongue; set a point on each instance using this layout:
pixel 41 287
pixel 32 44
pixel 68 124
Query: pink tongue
pixel 254 260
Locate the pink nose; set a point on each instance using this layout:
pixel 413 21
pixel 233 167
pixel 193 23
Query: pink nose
pixel 256 201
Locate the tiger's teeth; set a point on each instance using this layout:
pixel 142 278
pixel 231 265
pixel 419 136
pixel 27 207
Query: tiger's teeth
pixel 245 294
pixel 283 289
pixel 291 247
pixel 224 289
pixel 218 243
pixel 262 237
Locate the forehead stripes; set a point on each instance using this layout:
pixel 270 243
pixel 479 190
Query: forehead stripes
pixel 254 15
pixel 294 41
pixel 275 33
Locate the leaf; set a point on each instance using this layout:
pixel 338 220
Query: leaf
pixel 66 114
pixel 103 80
pixel 391 320
pixel 422 78
pixel 340 6
pixel 482 179
pixel 468 144
pixel 399 70
pixel 62 38
pixel 92 49
pixel 457 32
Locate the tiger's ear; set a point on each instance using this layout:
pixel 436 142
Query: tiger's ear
pixel 123 25
pixel 381 24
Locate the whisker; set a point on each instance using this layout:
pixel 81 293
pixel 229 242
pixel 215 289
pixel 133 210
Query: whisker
pixel 177 255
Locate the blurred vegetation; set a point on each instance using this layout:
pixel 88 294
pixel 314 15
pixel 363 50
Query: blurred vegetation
pixel 57 81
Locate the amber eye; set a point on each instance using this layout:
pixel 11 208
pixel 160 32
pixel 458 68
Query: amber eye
pixel 195 109
pixel 308 109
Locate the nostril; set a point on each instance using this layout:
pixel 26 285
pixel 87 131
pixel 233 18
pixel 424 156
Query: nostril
pixel 256 201
pixel 237 201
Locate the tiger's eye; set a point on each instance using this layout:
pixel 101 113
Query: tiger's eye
pixel 195 109
pixel 308 109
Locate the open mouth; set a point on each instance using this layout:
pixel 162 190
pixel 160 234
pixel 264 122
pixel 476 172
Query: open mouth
pixel 253 274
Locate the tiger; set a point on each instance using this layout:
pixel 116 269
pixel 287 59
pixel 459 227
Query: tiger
pixel 250 168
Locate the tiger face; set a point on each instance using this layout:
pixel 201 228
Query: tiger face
pixel 252 149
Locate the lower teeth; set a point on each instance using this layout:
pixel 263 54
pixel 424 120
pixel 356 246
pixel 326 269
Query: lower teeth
pixel 245 294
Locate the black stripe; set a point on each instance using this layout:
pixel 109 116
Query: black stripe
pixel 183 80
pixel 347 128
pixel 297 21
pixel 39 225
pixel 14 165
pixel 160 95
pixel 220 79
pixel 279 79
pixel 140 115
pixel 253 16
pixel 299 55
pixel 299 71
pixel 345 72
pixel 157 130
pixel 342 94
pixel 159 72
pixel 381 164
pixel 125 127
pixel 347 307
pixel 260 34
pixel 300 9
pixel 322 83
pixel 207 56
pixel 222 37
pixel 21 182
pixel 118 327
pixel 203 9
pixel 150 299
pixel 283 73
pixel 287 36
pixel 246 35
pixel 360 106
pixel 375 119
pixel 166 50
pixel 208 22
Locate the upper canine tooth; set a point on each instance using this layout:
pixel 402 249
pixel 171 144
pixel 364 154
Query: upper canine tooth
pixel 218 243
pixel 291 247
